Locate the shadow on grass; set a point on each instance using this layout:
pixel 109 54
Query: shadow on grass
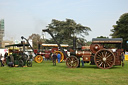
pixel 63 65
pixel 90 66
pixel 116 67
pixel 95 67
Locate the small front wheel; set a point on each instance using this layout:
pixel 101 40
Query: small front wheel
pixel 21 63
pixel 29 63
pixel 72 62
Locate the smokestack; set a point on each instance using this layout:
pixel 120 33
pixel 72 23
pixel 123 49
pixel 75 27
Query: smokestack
pixel 74 42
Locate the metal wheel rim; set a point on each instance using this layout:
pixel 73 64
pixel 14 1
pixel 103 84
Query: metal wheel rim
pixel 21 63
pixel 29 63
pixel 62 56
pixel 72 62
pixel 38 58
pixel 25 56
pixel 104 59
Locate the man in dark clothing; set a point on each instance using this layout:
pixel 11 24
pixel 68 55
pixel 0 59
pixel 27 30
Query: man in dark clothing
pixel 1 60
pixel 54 59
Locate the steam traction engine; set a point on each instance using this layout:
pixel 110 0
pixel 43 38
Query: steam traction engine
pixel 99 54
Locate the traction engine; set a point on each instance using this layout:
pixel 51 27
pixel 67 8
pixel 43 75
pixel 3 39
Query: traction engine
pixel 100 53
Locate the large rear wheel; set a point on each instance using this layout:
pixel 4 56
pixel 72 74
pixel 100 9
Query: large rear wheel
pixel 104 59
pixel 62 56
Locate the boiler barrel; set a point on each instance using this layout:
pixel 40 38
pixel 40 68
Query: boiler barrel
pixel 81 53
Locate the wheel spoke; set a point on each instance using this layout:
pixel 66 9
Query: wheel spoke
pixel 75 60
pixel 98 61
pixel 72 59
pixel 70 64
pixel 104 65
pixel 99 56
pixel 108 64
pixel 101 64
pixel 74 64
pixel 69 59
pixel 102 54
pixel 105 54
pixel 108 56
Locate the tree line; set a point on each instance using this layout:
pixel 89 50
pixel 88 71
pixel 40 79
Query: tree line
pixel 65 31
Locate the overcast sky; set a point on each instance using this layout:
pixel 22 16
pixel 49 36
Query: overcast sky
pixel 24 17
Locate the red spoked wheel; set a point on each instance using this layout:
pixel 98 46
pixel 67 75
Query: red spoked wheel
pixel 72 62
pixel 104 59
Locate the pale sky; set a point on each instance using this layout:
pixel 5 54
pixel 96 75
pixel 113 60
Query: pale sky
pixel 24 17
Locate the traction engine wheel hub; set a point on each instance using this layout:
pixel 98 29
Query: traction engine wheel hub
pixel 104 59
pixel 72 62
pixel 96 47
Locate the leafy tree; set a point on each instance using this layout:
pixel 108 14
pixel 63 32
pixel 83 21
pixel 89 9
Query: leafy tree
pixel 102 37
pixel 64 31
pixel 121 29
pixel 36 39
pixel 89 43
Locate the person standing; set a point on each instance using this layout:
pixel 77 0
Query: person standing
pixel 5 56
pixel 1 60
pixel 122 58
pixel 59 57
pixel 81 59
pixel 122 54
pixel 54 59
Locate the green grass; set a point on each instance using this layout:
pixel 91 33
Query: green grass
pixel 46 74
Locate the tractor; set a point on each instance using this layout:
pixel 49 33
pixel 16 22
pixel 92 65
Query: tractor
pixel 17 56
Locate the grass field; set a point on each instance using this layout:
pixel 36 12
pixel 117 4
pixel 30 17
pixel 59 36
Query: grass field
pixel 46 74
